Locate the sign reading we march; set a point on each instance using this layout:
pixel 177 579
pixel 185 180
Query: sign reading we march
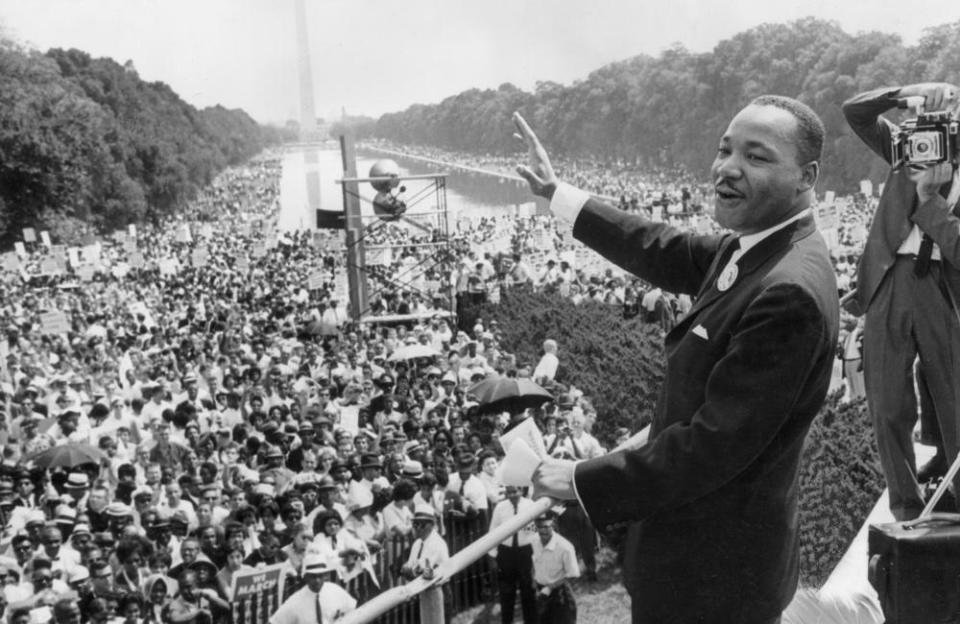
pixel 257 594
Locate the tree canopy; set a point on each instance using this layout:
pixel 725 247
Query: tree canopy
pixel 670 109
pixel 87 139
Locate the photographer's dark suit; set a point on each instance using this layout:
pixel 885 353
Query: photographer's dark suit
pixel 906 315
pixel 711 499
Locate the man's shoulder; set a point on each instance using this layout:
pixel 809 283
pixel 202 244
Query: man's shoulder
pixel 561 543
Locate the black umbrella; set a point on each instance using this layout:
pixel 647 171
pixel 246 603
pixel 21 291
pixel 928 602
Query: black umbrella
pixel 67 455
pixel 508 394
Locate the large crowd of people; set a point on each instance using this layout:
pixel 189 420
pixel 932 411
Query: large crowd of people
pixel 234 417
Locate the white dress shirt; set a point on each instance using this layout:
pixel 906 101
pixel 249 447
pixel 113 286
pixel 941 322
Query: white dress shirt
pixel 555 561
pixel 503 512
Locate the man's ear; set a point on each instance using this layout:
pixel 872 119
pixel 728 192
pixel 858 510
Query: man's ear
pixel 809 176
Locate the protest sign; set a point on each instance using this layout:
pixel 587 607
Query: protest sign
pixel 135 260
pixel 182 234
pixel 91 253
pixel 132 230
pixel 29 235
pixel 315 280
pixel 257 594
pixel 54 322
pixel 259 250
pixel 49 266
pixel 85 273
pixel 198 258
pixel 169 266
pixel 379 256
pixel 20 249
pixel 827 216
pixel 10 261
pixel 45 237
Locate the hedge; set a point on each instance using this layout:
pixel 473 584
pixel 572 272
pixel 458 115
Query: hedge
pixel 619 365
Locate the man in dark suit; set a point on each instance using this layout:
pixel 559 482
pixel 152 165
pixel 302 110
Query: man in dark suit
pixel 710 501
pixel 907 285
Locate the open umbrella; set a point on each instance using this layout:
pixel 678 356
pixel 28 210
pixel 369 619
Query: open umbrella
pixel 413 352
pixel 67 455
pixel 513 394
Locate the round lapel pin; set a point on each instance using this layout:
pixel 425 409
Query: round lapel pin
pixel 727 277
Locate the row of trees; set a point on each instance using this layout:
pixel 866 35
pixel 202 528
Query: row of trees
pixel 86 140
pixel 671 109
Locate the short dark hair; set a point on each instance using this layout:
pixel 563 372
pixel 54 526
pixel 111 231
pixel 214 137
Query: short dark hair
pixel 810 131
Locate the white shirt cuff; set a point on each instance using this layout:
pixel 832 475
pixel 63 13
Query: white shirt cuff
pixel 568 201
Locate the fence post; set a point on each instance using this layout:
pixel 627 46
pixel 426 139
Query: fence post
pixel 431 605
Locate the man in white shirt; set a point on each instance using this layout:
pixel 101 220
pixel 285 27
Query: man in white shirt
pixel 320 601
pixel 514 558
pixel 546 368
pixel 554 563
pixel 428 550
pixel 464 482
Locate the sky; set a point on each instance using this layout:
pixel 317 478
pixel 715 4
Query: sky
pixel 374 56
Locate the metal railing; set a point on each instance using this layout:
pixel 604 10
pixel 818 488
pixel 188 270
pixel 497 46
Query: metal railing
pixel 387 604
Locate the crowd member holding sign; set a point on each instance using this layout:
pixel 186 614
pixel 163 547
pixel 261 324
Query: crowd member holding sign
pixel 907 286
pixel 711 499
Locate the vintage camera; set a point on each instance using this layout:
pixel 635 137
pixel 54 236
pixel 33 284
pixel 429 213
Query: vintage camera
pixel 927 140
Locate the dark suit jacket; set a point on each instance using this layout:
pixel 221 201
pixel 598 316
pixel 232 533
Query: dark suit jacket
pixel 715 488
pixel 893 219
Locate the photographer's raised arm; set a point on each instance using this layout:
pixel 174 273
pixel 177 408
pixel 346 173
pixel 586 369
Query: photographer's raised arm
pixel 863 113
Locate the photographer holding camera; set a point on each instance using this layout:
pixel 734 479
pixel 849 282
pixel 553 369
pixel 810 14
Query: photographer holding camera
pixel 908 278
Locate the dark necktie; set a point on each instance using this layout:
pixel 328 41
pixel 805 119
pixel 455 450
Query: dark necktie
pixel 922 264
pixel 516 541
pixel 319 610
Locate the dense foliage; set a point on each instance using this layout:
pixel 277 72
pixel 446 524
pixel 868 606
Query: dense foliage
pixel 87 139
pixel 840 482
pixel 670 109
pixel 619 365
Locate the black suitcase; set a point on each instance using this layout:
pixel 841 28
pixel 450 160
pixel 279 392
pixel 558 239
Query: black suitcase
pixel 915 568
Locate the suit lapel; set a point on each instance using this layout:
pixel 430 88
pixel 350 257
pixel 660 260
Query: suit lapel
pixel 755 257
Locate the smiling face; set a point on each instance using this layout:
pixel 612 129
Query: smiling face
pixel 758 180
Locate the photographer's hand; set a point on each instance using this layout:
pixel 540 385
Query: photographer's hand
pixel 538 173
pixel 937 95
pixel 930 180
